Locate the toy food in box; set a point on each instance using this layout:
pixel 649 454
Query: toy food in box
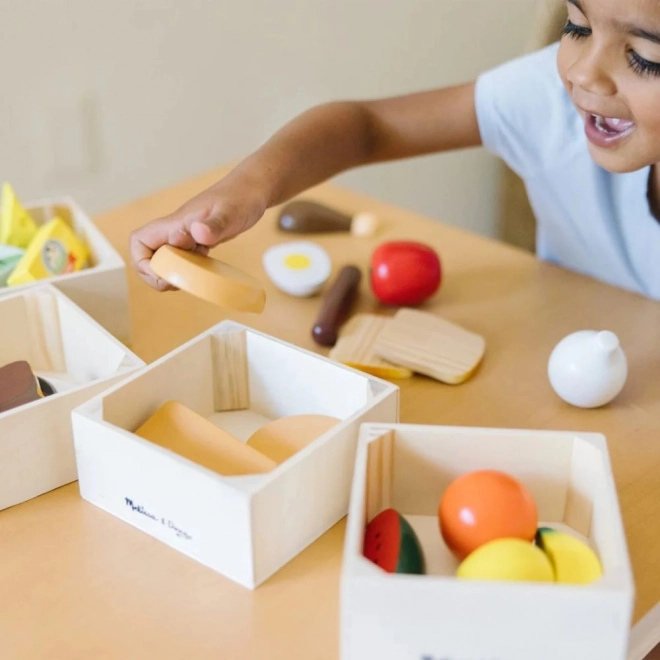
pixel 44 335
pixel 54 250
pixel 237 449
pixel 55 241
pixel 441 612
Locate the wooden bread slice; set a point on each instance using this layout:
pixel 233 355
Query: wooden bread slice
pixel 430 345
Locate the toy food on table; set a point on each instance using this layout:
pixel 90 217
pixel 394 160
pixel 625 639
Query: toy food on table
pixel 308 217
pixel 354 347
pixel 507 559
pixel 181 430
pixel 405 273
pixel 282 438
pixel 54 250
pixel 588 368
pixel 209 279
pixel 391 543
pixel 9 258
pixel 430 345
pixel 484 505
pixel 299 268
pixel 336 305
pixel 19 385
pixel 573 561
pixel 16 225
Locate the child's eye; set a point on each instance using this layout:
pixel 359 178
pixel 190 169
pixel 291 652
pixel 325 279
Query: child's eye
pixel 575 31
pixel 643 67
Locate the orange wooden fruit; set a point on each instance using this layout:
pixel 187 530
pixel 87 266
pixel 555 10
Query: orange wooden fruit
pixel 484 505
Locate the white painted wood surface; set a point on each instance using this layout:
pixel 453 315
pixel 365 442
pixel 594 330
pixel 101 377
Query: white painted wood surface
pixel 79 358
pixel 244 527
pixel 396 617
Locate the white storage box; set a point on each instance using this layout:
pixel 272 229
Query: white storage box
pixel 101 288
pixel 78 358
pixel 437 616
pixel 245 527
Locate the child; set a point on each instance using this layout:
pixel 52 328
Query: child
pixel 578 121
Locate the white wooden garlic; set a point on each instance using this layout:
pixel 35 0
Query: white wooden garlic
pixel 588 368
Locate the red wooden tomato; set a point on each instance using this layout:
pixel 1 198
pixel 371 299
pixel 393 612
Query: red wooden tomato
pixel 404 272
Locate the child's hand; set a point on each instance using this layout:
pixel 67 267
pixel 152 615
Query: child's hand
pixel 216 215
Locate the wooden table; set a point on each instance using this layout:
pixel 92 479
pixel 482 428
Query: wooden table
pixel 77 583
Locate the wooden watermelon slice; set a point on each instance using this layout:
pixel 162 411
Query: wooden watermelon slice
pixel 391 543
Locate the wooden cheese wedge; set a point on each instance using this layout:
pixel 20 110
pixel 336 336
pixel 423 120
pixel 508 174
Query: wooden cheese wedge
pixel 181 430
pixel 283 437
pixel 355 347
pixel 430 345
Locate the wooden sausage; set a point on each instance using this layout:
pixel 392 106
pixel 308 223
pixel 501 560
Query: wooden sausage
pixel 336 306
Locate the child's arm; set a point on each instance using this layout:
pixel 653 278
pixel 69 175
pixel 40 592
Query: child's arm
pixel 315 146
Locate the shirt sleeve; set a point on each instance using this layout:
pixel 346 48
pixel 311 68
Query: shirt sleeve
pixel 522 110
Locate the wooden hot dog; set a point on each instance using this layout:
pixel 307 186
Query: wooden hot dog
pixel 336 306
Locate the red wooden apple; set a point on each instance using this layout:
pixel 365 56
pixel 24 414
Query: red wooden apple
pixel 404 272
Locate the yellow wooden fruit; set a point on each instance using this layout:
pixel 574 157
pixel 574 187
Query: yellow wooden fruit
pixel 507 559
pixel 573 561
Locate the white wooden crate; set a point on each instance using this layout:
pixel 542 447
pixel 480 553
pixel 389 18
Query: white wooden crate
pixel 439 617
pixel 245 527
pixel 100 289
pixel 74 354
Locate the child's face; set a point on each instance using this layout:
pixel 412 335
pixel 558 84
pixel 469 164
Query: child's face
pixel 609 60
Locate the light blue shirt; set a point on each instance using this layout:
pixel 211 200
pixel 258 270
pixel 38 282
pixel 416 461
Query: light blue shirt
pixel 588 220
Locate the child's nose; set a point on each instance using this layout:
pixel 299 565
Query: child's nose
pixel 591 72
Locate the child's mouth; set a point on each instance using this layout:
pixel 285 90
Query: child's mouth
pixel 607 131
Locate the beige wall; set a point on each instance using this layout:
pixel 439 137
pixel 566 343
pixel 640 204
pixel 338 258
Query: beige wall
pixel 110 100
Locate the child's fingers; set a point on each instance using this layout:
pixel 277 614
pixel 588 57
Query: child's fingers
pixel 146 240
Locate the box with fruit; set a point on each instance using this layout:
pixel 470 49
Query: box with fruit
pixel 484 543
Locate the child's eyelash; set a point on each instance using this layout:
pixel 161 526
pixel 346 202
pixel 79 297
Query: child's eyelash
pixel 575 31
pixel 638 64
pixel 642 66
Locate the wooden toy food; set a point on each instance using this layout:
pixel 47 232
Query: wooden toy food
pixel 54 250
pixel 336 305
pixel 308 217
pixel 46 388
pixel 19 385
pixel 299 268
pixel 573 561
pixel 507 559
pixel 209 279
pixel 355 347
pixel 181 430
pixel 430 345
pixel 588 368
pixel 405 272
pixel 282 438
pixel 484 505
pixel 391 543
pixel 9 258
pixel 16 225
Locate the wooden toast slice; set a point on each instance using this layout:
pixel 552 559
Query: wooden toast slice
pixel 430 345
pixel 355 347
